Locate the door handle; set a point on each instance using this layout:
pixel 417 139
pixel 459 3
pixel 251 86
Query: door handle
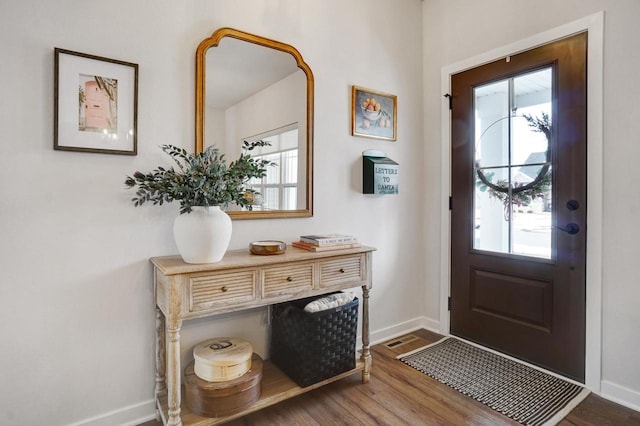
pixel 570 228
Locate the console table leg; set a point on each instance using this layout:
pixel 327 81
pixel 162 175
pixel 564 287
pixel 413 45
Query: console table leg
pixel 366 353
pixel 173 375
pixel 161 384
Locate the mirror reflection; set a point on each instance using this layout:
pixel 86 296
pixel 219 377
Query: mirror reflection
pixel 250 88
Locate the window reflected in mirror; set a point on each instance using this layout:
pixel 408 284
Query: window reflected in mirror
pixel 280 188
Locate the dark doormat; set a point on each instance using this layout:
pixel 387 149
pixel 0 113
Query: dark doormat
pixel 522 393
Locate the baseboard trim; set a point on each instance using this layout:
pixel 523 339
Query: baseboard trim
pixel 128 416
pixel 397 330
pixel 621 395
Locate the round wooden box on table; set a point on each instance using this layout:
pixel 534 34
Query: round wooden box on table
pixel 266 248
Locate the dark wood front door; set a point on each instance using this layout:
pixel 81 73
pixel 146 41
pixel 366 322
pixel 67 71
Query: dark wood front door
pixel 518 218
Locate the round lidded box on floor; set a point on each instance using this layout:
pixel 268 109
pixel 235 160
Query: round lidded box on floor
pixel 219 399
pixel 222 359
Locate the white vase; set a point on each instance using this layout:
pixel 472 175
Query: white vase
pixel 203 235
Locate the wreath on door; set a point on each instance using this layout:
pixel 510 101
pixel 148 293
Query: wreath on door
pixel 518 193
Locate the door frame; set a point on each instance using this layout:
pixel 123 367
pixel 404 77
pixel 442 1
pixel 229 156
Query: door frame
pixel 594 24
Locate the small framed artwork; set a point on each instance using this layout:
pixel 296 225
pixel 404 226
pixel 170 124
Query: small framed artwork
pixel 95 104
pixel 373 114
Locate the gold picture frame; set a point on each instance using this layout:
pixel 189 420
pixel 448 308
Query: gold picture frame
pixel 373 114
pixel 95 104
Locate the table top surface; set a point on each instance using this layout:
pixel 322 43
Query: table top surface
pixel 174 265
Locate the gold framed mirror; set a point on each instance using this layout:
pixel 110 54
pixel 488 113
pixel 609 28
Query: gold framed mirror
pixel 250 87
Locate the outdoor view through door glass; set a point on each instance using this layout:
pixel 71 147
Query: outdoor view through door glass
pixel 512 167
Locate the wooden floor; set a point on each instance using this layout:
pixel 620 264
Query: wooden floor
pixel 399 395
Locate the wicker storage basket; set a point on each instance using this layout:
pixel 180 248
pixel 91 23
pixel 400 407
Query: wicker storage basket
pixel 311 347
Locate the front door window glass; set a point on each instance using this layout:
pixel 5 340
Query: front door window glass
pixel 512 168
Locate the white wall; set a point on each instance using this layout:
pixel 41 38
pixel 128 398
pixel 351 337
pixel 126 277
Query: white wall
pixel 282 104
pixel 459 29
pixel 76 302
pixel 279 105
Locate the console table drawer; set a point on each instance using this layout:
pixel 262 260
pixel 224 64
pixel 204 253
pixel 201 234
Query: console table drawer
pixel 341 270
pixel 288 279
pixel 223 289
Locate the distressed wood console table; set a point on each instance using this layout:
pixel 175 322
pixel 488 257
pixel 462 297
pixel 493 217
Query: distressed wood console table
pixel 242 281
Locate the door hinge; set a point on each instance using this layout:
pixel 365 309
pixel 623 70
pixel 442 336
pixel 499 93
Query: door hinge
pixel 449 303
pixel 450 98
pixel 450 203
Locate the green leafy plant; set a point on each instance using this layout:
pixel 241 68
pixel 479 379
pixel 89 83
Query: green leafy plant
pixel 202 179
pixel 522 195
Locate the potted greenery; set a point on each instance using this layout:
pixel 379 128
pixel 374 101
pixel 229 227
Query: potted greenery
pixel 202 183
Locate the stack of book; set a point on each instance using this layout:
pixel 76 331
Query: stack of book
pixel 326 242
